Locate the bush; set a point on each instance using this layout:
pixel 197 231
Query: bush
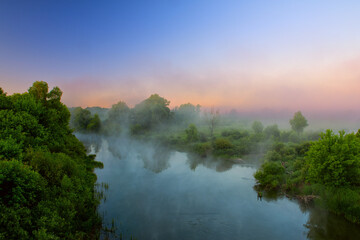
pixel 203 149
pixel 344 201
pixel 270 175
pixel 223 146
pixel 334 160
pixel 191 133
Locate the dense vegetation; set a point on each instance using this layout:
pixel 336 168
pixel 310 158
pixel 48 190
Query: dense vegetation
pixel 188 128
pixel 46 178
pixel 327 170
pixel 297 163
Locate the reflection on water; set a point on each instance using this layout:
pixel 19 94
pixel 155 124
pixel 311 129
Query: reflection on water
pixel 220 166
pixel 158 194
pixel 324 225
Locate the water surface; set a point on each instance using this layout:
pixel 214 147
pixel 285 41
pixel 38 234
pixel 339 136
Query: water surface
pixel 155 193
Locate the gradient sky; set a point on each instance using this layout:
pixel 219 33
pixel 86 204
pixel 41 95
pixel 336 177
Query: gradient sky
pixel 249 55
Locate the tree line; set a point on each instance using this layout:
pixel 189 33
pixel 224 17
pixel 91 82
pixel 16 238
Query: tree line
pixel 46 177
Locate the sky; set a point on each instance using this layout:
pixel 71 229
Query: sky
pixel 243 55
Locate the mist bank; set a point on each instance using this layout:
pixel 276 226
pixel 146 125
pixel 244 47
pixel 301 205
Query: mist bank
pixel 189 128
pixel 337 120
pixel 291 162
pixel 181 195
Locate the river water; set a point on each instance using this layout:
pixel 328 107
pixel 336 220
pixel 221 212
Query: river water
pixel 155 193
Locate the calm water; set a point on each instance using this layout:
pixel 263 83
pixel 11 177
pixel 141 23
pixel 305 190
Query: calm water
pixel 158 194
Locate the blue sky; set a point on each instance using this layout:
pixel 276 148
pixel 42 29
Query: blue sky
pixel 225 53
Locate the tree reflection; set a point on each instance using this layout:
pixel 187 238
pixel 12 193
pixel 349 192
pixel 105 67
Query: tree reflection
pixel 156 159
pixel 324 225
pixel 219 165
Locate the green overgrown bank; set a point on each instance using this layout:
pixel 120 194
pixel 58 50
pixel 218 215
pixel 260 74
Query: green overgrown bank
pixel 315 167
pixel 46 178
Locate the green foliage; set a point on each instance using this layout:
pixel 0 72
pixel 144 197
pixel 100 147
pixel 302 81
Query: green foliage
pixel 271 175
pixel 334 160
pixel 20 186
pixel 94 124
pixel 331 167
pixel 39 90
pixel 119 112
pixel 151 112
pixel 212 119
pixel 298 122
pixel 82 121
pixel 257 127
pixel 344 201
pixel 46 178
pixel 5 102
pixel 191 133
pixel 223 146
pixel 186 114
pixel 117 119
pixel 291 157
pixel 235 134
pixel 203 149
pixel 272 131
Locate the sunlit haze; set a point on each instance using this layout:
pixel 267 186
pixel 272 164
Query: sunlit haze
pixel 243 55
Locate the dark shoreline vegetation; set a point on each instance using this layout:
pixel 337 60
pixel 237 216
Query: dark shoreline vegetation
pixel 322 168
pixel 46 177
pixel 47 182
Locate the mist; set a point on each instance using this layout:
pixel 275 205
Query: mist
pixel 188 172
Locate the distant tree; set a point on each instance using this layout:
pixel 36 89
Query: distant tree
pixel 272 131
pixel 186 113
pixel 94 124
pixel 80 119
pixel 117 118
pixel 151 112
pixel 119 112
pixel 191 133
pixel 298 122
pixel 212 118
pixel 258 127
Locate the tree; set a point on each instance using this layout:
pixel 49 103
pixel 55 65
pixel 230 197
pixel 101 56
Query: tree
pixel 46 177
pixel 151 112
pixel 272 131
pixel 94 124
pixel 39 90
pixel 186 113
pixel 119 112
pixel 117 118
pixel 80 119
pixel 298 122
pixel 270 175
pixel 212 119
pixel 334 160
pixel 191 133
pixel 258 127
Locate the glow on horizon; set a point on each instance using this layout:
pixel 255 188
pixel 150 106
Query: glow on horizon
pixel 247 56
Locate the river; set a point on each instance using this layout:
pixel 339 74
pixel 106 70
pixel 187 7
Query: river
pixel 155 193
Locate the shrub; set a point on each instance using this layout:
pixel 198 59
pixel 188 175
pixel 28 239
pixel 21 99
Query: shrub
pixel 270 175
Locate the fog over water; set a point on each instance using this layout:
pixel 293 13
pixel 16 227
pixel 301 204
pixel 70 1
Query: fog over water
pixel 155 193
